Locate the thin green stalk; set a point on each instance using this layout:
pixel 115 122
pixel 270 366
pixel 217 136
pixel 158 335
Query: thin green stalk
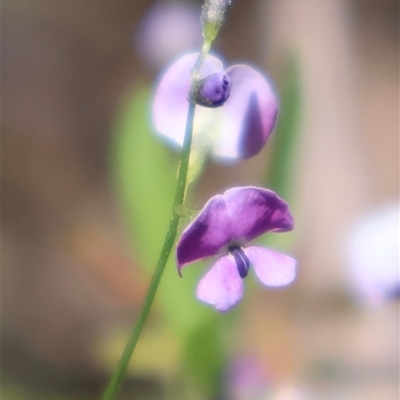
pixel 203 53
pixel 113 386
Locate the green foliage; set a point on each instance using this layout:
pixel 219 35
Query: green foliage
pixel 283 160
pixel 145 175
pixel 205 356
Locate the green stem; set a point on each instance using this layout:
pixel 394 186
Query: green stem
pixel 203 53
pixel 113 386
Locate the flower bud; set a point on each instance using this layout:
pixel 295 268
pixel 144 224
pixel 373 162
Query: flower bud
pixel 213 90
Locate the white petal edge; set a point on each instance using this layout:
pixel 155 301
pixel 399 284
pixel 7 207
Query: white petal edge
pixel 170 104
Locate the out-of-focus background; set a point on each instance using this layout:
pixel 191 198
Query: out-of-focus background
pixel 72 253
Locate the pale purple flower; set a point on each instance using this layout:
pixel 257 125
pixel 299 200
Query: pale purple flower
pixel 223 228
pixel 247 380
pixel 372 248
pixel 238 128
pixel 168 28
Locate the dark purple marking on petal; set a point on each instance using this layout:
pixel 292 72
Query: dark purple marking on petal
pixel 393 293
pixel 249 115
pixel 242 262
pixel 253 137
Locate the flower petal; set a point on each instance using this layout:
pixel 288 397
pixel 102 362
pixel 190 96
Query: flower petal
pixel 206 234
pixel 221 286
pixel 170 105
pixel 271 267
pixel 254 211
pixel 234 218
pixel 248 115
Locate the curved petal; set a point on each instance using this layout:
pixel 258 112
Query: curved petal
pixel 170 105
pixel 248 115
pixel 221 286
pixel 254 211
pixel 206 235
pixel 271 267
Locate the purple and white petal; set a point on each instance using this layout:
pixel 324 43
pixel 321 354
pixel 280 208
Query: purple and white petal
pixel 206 235
pixel 271 267
pixel 236 217
pixel 170 105
pixel 247 117
pixel 254 211
pixel 221 286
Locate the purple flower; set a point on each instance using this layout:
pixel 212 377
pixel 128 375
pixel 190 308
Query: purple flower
pixel 238 128
pixel 225 225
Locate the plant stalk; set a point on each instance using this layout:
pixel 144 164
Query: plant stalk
pixel 115 381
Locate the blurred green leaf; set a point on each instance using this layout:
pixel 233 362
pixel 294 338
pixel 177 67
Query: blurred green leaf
pixel 280 175
pixel 205 355
pixel 283 158
pixel 145 175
